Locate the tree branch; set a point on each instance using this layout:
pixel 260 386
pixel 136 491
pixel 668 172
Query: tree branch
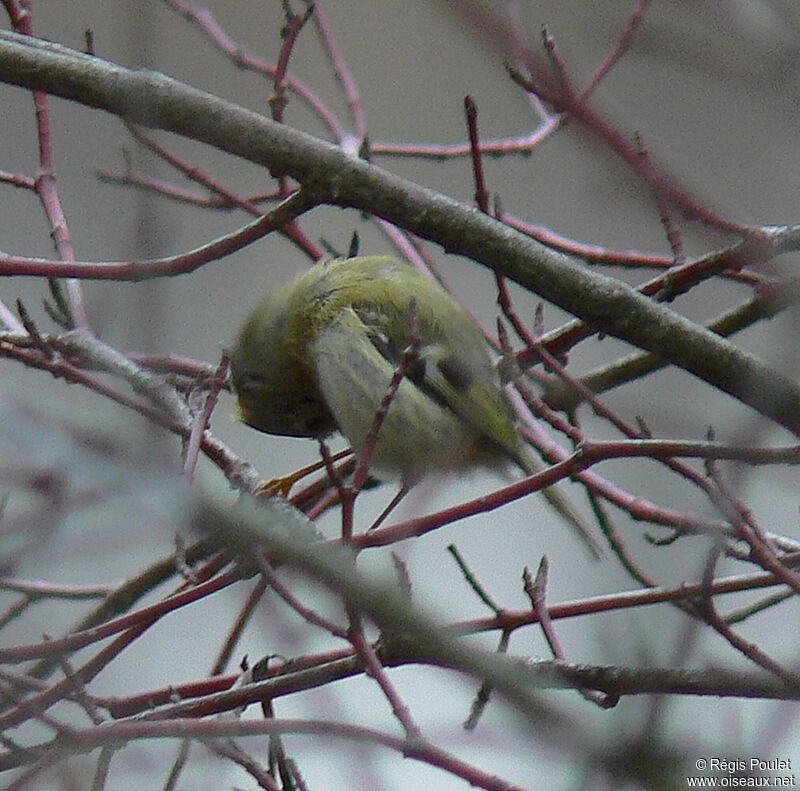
pixel 156 101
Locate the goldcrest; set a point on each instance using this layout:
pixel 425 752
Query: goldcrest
pixel 318 354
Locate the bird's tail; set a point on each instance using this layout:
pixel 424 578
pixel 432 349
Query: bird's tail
pixel 559 501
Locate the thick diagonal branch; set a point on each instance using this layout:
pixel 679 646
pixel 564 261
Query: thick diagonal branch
pixel 154 100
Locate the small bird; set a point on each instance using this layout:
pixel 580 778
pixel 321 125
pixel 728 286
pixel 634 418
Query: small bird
pixel 317 355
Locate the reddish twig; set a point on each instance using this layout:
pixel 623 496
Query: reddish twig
pixel 205 20
pixel 536 591
pixel 521 144
pixel 18 180
pixel 343 74
pixel 419 750
pixel 295 205
pixel 571 466
pixel 620 48
pixel 181 194
pixel 89 670
pixel 237 627
pixel 278 100
pixel 306 613
pixel 678 280
pixel 289 34
pixel 564 99
pixel 149 614
pixel 481 194
pixel 45 182
pixel 747 528
pixel 407 359
pixel 203 417
pixel 373 668
pixel 768 302
pixel 240 474
pixel 482 202
pixel 290 229
pixel 705 607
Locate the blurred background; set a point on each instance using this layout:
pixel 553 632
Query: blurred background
pixel 711 88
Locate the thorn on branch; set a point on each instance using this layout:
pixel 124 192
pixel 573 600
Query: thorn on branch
pixel 30 327
pixel 60 312
pixel 481 195
pixel 289 33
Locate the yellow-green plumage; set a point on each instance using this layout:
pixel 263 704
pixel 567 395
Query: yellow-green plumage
pixel 317 355
pixel 272 375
